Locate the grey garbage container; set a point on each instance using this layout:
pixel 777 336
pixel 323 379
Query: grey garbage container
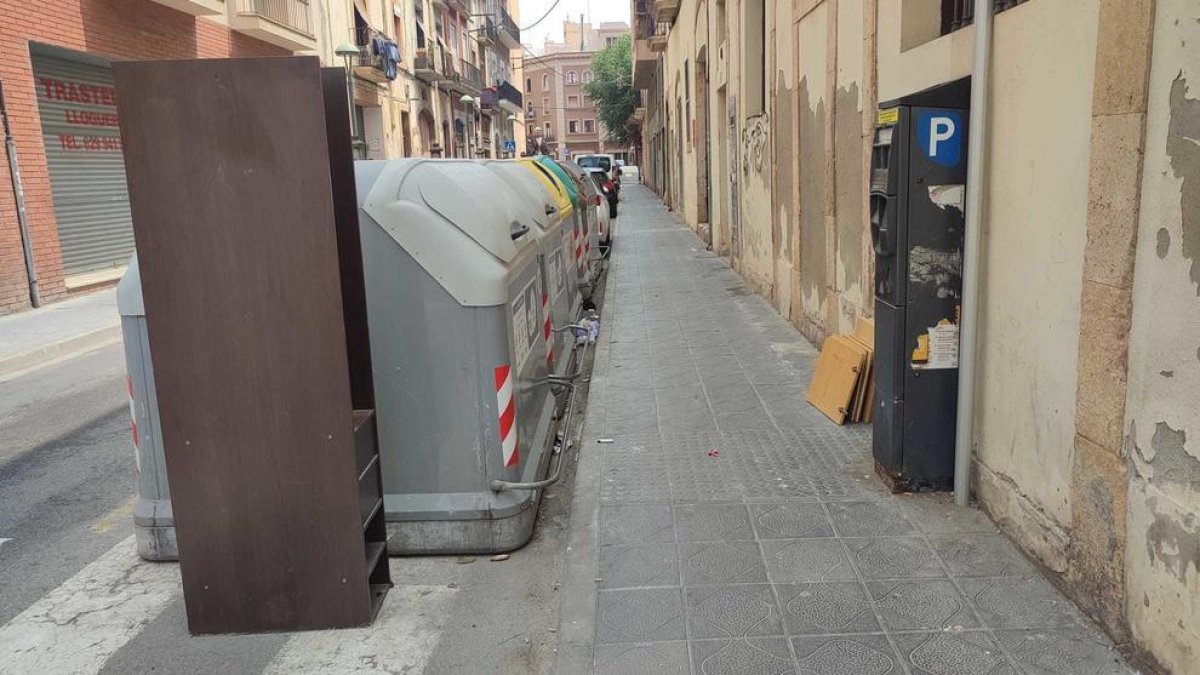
pixel 461 379
pixel 556 253
pixel 153 522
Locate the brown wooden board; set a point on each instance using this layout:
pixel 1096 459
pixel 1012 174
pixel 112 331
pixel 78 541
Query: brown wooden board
pixel 860 388
pixel 864 332
pixel 345 212
pixel 835 377
pixel 229 181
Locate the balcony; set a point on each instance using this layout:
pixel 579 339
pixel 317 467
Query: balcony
pixel 432 67
pixel 486 32
pixel 666 10
pixel 468 79
pixel 370 66
pixel 658 41
pixel 645 63
pixel 283 23
pixel 505 97
pixel 196 7
pixel 509 33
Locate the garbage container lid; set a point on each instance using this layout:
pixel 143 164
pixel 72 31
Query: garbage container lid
pixel 458 220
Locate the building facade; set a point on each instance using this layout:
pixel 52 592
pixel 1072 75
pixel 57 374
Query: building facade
pixel 451 93
pixel 54 68
pixel 758 121
pixel 55 59
pixel 561 118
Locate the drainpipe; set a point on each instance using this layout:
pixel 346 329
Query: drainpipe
pixel 14 172
pixel 973 237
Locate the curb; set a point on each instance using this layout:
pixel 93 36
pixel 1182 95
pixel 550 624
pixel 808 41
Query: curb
pixel 78 343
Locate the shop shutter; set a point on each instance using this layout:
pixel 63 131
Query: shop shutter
pixel 87 169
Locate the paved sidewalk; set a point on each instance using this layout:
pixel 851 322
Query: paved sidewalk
pixel 737 530
pixel 33 337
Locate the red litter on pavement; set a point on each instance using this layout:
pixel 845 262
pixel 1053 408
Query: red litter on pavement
pixel 713 453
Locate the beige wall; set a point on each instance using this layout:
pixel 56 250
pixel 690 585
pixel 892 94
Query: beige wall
pixel 1163 406
pixel 1036 227
pixel 1069 209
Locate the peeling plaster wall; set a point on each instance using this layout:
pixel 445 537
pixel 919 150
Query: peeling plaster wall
pixel 784 122
pixel 1163 404
pixel 849 148
pixel 814 276
pixel 1036 231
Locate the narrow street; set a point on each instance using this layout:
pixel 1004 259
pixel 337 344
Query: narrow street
pixel 716 524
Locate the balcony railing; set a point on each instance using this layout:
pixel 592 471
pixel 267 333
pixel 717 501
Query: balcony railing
pixel 293 14
pixel 958 14
pixel 486 32
pixel 510 34
pixel 470 76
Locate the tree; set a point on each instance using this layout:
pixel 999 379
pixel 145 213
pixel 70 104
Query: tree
pixel 612 88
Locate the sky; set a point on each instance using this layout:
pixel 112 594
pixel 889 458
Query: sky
pixel 599 10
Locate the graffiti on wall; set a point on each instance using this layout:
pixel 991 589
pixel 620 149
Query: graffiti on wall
pixel 754 143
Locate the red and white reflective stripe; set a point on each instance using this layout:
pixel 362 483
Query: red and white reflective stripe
pixel 132 412
pixel 547 330
pixel 506 404
pixel 578 253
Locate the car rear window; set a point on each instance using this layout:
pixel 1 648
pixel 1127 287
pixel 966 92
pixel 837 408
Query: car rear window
pixel 596 161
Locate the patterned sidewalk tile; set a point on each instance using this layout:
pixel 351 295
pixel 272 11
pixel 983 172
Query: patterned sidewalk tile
pixel 668 658
pixel 744 610
pixel 843 655
pixel 653 614
pixel 819 609
pixel 762 656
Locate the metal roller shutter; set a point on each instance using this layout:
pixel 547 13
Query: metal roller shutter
pixel 87 169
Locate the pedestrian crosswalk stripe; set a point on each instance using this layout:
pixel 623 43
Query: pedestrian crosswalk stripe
pixel 401 640
pixel 76 627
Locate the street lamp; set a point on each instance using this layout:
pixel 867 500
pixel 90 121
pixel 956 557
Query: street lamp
pixel 467 100
pixel 349 52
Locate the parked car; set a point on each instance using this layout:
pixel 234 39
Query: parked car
pixel 606 186
pixel 591 195
pixel 607 163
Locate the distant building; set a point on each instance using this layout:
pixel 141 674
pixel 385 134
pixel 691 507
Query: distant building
pixel 560 117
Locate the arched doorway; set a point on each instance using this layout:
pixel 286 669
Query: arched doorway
pixel 428 134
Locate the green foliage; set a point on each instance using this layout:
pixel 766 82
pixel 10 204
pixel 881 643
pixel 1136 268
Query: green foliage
pixel 612 89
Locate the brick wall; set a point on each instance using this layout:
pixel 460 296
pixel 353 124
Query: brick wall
pixel 115 29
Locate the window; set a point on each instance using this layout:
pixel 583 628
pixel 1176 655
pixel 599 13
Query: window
pixel 610 41
pixel 533 130
pixel 571 77
pixel 572 101
pixel 545 106
pixel 545 81
pixel 573 126
pixel 528 85
pixel 529 108
pixel 958 14
pixel 587 76
pixel 547 128
pixel 589 126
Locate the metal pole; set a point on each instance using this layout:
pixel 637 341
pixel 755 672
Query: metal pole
pixel 14 172
pixel 350 104
pixel 973 239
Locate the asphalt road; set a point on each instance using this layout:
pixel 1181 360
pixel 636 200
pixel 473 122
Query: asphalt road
pixel 66 472
pixel 67 488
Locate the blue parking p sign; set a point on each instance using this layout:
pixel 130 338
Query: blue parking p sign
pixel 940 134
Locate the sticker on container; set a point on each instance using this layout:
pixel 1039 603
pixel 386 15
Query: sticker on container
pixel 558 277
pixel 525 324
pixel 937 349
